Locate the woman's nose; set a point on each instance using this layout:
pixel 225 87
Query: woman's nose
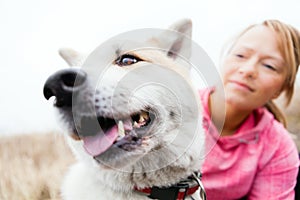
pixel 249 68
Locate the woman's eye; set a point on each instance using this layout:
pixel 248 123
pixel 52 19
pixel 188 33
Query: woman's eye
pixel 125 60
pixel 239 55
pixel 270 67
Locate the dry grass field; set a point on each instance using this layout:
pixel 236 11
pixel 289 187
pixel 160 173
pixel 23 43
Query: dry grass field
pixel 32 166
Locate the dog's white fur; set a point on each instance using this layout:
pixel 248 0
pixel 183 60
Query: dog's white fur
pixel 174 150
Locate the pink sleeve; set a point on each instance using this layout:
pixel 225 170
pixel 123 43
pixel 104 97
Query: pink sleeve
pixel 276 177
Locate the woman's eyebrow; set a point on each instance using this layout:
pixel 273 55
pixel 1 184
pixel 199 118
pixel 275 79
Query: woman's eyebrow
pixel 275 57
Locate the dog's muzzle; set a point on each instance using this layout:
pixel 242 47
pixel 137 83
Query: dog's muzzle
pixel 63 84
pixel 98 132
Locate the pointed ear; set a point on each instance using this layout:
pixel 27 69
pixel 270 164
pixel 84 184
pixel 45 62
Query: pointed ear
pixel 72 57
pixel 178 44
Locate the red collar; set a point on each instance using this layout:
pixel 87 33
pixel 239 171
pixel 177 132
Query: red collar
pixel 178 191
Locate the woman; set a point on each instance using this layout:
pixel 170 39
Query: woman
pixel 254 156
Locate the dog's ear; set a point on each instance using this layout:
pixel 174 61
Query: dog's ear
pixel 177 44
pixel 72 57
pixel 182 45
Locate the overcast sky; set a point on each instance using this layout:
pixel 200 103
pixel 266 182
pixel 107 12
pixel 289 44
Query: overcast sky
pixel 33 30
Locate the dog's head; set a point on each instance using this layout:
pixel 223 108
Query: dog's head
pixel 132 103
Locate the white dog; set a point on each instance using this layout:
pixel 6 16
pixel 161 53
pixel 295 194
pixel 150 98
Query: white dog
pixel 133 117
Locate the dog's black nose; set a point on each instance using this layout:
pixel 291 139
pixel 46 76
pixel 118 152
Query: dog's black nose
pixel 63 84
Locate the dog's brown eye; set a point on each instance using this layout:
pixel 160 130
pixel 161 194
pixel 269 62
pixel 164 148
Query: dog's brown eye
pixel 127 59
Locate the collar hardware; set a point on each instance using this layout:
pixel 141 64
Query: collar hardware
pixel 177 191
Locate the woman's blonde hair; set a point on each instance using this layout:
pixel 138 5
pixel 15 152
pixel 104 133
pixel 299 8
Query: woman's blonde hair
pixel 289 46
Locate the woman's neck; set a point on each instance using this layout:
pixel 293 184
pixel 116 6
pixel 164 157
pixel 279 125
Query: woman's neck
pixel 225 116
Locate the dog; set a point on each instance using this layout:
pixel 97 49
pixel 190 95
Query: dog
pixel 133 117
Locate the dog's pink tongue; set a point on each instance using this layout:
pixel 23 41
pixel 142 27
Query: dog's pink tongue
pixel 95 145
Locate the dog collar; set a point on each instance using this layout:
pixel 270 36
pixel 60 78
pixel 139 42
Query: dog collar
pixel 178 191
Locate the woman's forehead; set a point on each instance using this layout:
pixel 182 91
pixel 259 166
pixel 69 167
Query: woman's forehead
pixel 260 35
pixel 260 39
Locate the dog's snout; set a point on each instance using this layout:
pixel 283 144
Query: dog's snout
pixel 63 84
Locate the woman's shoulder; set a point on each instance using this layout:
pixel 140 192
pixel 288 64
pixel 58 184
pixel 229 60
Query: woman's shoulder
pixel 272 130
pixel 271 127
pixel 277 142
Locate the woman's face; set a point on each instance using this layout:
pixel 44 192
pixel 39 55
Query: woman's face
pixel 254 70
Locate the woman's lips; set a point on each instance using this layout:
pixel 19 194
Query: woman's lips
pixel 242 85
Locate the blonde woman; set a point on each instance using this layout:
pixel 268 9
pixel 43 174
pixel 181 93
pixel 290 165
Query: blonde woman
pixel 254 156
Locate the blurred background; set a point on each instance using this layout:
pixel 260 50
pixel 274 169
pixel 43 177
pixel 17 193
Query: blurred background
pixel 32 31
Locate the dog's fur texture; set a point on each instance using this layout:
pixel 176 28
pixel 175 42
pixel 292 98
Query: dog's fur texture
pixel 173 147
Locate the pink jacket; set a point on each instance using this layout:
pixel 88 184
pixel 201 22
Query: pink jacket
pixel 259 161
